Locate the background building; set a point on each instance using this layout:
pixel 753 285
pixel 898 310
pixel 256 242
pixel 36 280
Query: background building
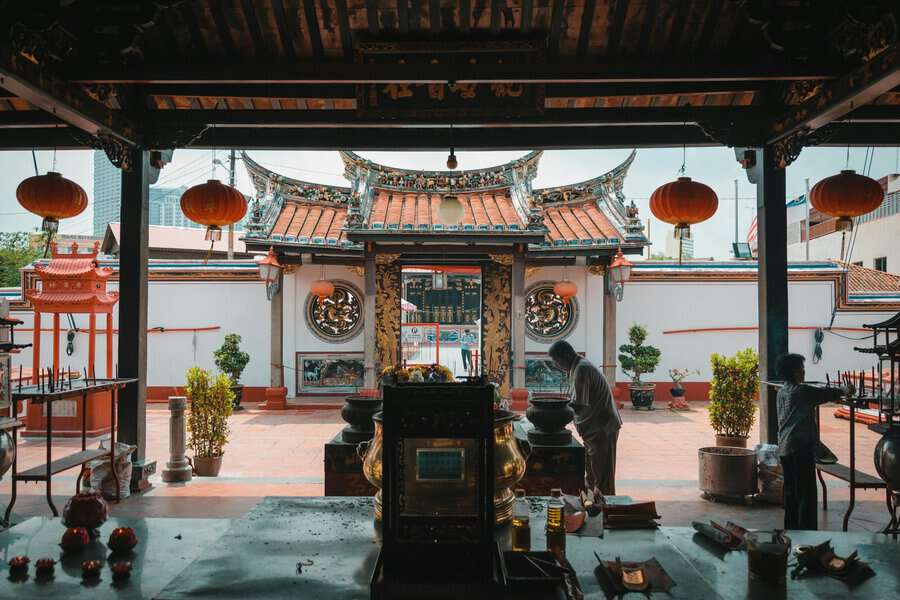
pixel 107 193
pixel 873 243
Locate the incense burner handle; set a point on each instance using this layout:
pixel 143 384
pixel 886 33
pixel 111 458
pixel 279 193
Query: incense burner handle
pixel 362 448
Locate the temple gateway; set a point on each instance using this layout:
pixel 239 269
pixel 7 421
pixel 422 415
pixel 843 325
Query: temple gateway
pixel 459 268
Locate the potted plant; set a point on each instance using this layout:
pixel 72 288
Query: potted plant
pixel 677 376
pixel 637 359
pixel 211 405
pixel 734 385
pixel 231 361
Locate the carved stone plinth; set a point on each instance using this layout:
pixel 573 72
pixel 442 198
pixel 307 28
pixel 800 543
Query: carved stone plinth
pixel 177 468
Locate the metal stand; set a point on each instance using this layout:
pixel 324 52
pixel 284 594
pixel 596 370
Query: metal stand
pixel 45 472
pixel 856 479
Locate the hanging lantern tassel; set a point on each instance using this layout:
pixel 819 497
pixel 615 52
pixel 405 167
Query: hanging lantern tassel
pixel 683 203
pixel 215 205
pixel 845 196
pixel 323 289
pixel 565 289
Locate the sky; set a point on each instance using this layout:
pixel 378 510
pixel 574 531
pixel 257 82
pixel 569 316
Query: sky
pixel 715 167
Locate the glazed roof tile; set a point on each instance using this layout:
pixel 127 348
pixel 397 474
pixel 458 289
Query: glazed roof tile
pixel 310 224
pixel 482 211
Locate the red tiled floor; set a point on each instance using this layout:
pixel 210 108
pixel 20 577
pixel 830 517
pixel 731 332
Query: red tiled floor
pixel 281 453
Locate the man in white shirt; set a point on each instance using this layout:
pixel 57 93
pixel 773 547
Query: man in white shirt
pixel 596 417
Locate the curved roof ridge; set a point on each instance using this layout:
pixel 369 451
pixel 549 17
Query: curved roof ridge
pixel 254 167
pixel 352 158
pixel 619 171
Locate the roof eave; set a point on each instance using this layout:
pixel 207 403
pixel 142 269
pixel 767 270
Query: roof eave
pixel 445 237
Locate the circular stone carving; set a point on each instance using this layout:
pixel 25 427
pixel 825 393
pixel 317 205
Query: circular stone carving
pixel 547 317
pixel 337 318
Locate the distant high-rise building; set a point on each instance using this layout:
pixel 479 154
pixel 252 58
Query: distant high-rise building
pixel 107 192
pixel 165 203
pixel 687 246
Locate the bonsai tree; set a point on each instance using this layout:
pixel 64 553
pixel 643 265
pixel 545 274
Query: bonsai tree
pixel 635 357
pixel 678 375
pixel 229 358
pixel 211 405
pixel 734 385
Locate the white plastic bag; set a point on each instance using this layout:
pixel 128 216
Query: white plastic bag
pixel 767 454
pixel 102 477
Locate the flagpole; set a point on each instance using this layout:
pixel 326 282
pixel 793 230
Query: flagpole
pixel 806 198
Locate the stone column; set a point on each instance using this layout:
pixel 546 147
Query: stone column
pixel 177 468
pixel 370 376
pixel 518 322
pixel 276 393
pixel 610 352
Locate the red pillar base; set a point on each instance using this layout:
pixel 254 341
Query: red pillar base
pixel 276 399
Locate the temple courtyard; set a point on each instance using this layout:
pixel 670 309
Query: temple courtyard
pixel 281 454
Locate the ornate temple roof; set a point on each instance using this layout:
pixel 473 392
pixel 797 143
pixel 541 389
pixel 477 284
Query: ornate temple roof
pixel 72 282
pixel 499 204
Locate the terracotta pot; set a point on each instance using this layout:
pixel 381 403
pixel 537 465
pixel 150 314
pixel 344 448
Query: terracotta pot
pixel 510 459
pixel 733 441
pixel 207 467
pixel 727 472
pixel 642 395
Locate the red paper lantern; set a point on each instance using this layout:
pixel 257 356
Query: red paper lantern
pixel 565 289
pixel 53 197
pixel 322 288
pixel 86 509
pixel 846 195
pixel 215 205
pixel 683 203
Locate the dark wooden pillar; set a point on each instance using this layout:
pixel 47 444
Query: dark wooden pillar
pixel 768 173
pixel 132 350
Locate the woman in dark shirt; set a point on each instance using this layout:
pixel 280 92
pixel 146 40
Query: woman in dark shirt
pixel 797 439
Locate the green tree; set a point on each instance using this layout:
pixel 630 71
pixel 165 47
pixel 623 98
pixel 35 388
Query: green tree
pixel 230 359
pixel 732 390
pixel 15 253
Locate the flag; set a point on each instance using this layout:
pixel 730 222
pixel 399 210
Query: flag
pixel 751 232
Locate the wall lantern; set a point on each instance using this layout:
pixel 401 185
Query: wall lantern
pixel 269 272
pixel 683 203
pixel 215 205
pixel 846 195
pixel 52 197
pixel 619 271
pixel 322 287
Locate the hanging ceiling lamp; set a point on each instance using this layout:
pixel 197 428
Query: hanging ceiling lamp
pixel 215 205
pixel 322 288
pixel 53 197
pixel 683 203
pixel 452 163
pixel 846 195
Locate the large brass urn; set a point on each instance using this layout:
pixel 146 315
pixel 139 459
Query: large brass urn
pixel 509 463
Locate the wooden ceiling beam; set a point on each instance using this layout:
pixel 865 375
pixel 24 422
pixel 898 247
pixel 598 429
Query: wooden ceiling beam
pixel 343 19
pixel 372 16
pixel 312 26
pixel 587 24
pixel 616 71
pixel 495 17
pixel 403 16
pixel 617 25
pixel 68 102
pixel 256 36
pixel 434 16
pixel 222 28
pixel 556 16
pixel 838 98
pixel 163 119
pixel 193 26
pixel 647 27
pixel 527 16
pixel 479 138
pixel 709 26
pixel 287 25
